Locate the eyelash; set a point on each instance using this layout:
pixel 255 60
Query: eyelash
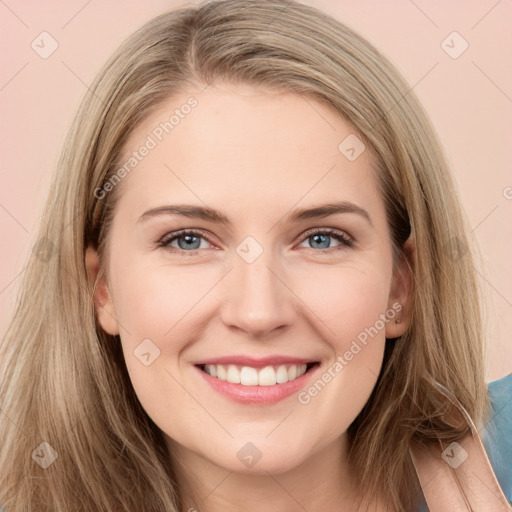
pixel 346 241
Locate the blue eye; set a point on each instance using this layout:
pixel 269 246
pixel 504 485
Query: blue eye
pixel 189 240
pixel 319 239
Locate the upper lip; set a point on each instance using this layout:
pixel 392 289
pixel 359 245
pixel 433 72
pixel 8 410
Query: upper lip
pixel 255 362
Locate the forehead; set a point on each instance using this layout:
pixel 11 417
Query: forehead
pixel 264 146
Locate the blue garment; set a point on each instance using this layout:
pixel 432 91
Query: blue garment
pixel 497 434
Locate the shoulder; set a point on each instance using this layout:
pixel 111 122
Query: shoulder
pixel 497 433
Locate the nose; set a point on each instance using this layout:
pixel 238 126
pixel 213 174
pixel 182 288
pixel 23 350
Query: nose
pixel 257 299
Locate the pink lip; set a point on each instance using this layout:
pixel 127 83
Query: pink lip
pixel 255 362
pixel 256 395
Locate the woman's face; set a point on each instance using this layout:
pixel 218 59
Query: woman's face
pixel 289 267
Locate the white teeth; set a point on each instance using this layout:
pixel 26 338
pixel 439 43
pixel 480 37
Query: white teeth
pixel 301 370
pixel 221 372
pixel 233 374
pixel 282 375
pixel 211 369
pixel 267 376
pixel 248 376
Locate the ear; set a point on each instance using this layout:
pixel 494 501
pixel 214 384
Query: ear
pixel 103 303
pixel 400 296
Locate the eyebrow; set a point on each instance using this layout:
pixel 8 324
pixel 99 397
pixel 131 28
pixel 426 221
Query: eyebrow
pixel 211 214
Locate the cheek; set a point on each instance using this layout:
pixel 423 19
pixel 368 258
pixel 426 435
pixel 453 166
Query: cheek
pixel 347 301
pixel 152 302
pixel 351 305
pixel 156 307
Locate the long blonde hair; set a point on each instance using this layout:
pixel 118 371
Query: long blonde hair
pixel 65 381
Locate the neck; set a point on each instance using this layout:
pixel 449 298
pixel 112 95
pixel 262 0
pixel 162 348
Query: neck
pixel 321 482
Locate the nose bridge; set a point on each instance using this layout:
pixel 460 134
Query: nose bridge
pixel 257 300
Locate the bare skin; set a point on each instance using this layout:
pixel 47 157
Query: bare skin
pixel 256 156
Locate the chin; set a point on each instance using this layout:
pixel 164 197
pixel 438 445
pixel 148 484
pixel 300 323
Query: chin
pixel 273 461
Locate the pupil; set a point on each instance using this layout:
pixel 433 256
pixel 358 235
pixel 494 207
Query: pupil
pixel 317 237
pixel 189 239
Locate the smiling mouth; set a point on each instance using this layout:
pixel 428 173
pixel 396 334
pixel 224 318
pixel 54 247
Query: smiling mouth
pixel 249 376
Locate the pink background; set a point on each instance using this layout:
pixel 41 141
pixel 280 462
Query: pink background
pixel 468 98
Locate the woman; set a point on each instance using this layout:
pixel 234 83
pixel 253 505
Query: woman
pixel 247 299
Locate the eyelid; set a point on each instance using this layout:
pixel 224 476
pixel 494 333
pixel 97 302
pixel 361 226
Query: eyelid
pixel 171 236
pixel 327 231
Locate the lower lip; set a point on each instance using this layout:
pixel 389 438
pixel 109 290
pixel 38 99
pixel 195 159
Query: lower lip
pixel 261 395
